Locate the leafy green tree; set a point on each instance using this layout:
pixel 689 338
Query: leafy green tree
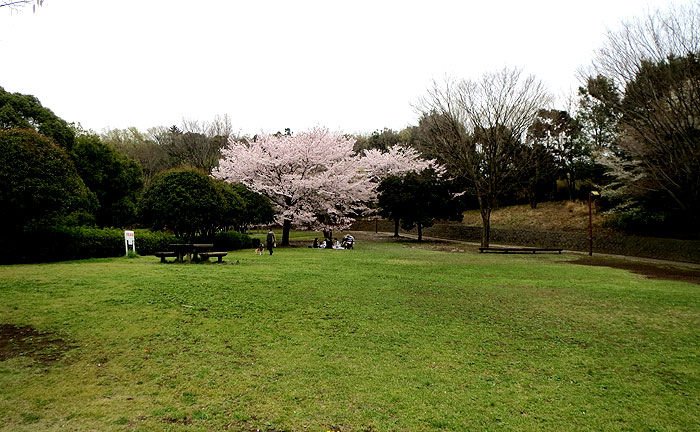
pixel 232 208
pixel 598 113
pixel 540 175
pixel 392 201
pixel 433 129
pixel 189 203
pixel 257 208
pixel 559 133
pixel 115 179
pixel 39 185
pixel 26 112
pixel 418 200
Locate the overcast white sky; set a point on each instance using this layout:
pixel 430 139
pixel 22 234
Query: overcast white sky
pixel 353 66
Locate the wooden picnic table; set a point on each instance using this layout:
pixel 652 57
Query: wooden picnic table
pixel 183 250
pixel 518 249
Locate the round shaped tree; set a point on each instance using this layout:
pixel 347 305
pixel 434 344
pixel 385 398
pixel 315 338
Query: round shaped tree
pixel 39 184
pixel 185 201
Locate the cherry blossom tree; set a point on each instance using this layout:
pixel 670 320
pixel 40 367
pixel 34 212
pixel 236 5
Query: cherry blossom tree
pixel 396 160
pixel 314 178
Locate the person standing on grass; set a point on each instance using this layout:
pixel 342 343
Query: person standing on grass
pixel 270 240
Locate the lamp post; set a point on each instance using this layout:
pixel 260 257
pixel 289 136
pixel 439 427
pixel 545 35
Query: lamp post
pixel 590 221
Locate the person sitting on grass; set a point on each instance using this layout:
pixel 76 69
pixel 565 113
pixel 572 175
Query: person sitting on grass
pixel 348 241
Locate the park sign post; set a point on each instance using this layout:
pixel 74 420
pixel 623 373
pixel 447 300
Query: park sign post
pixel 129 241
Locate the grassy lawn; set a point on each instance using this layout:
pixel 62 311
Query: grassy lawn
pixel 387 337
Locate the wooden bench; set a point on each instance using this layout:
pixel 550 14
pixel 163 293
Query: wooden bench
pixel 206 255
pixel 163 255
pixel 517 250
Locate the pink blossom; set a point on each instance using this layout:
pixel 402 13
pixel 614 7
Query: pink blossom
pixel 314 178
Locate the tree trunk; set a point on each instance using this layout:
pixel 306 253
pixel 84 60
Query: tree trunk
pixel 486 227
pixel 327 234
pixel 571 185
pixel 533 199
pixel 420 232
pixel 396 227
pixel 286 227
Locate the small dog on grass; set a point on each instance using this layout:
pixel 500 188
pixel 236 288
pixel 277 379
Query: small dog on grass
pixel 260 249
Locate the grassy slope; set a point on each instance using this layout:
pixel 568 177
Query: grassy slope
pixel 550 216
pixel 381 338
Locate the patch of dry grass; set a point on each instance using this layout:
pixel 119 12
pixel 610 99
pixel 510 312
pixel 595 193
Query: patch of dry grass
pixel 554 216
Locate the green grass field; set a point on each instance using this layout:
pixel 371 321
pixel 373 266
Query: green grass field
pixel 387 337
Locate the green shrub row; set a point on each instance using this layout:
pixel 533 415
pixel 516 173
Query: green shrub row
pixel 149 242
pixel 69 243
pixel 641 222
pixel 229 240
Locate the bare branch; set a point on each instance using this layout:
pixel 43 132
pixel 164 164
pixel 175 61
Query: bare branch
pixel 654 38
pixel 18 4
pixel 478 127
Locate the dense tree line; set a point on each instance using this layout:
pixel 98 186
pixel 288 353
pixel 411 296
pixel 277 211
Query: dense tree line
pixel 418 199
pixel 54 174
pixel 631 132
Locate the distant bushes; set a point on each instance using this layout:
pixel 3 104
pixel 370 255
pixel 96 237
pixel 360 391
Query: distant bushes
pixel 652 224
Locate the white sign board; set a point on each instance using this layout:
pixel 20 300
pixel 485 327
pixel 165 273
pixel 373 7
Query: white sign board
pixel 129 241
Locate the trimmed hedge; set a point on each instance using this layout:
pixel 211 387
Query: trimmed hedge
pixel 60 244
pixel 149 242
pixel 229 240
pixel 70 243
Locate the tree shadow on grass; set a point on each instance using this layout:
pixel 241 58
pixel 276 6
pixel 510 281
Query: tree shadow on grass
pixel 650 270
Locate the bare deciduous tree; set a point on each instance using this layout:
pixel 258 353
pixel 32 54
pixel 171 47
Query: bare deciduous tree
pixel 196 144
pixel 654 63
pixel 478 129
pixel 141 147
pixel 655 37
pixel 18 4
